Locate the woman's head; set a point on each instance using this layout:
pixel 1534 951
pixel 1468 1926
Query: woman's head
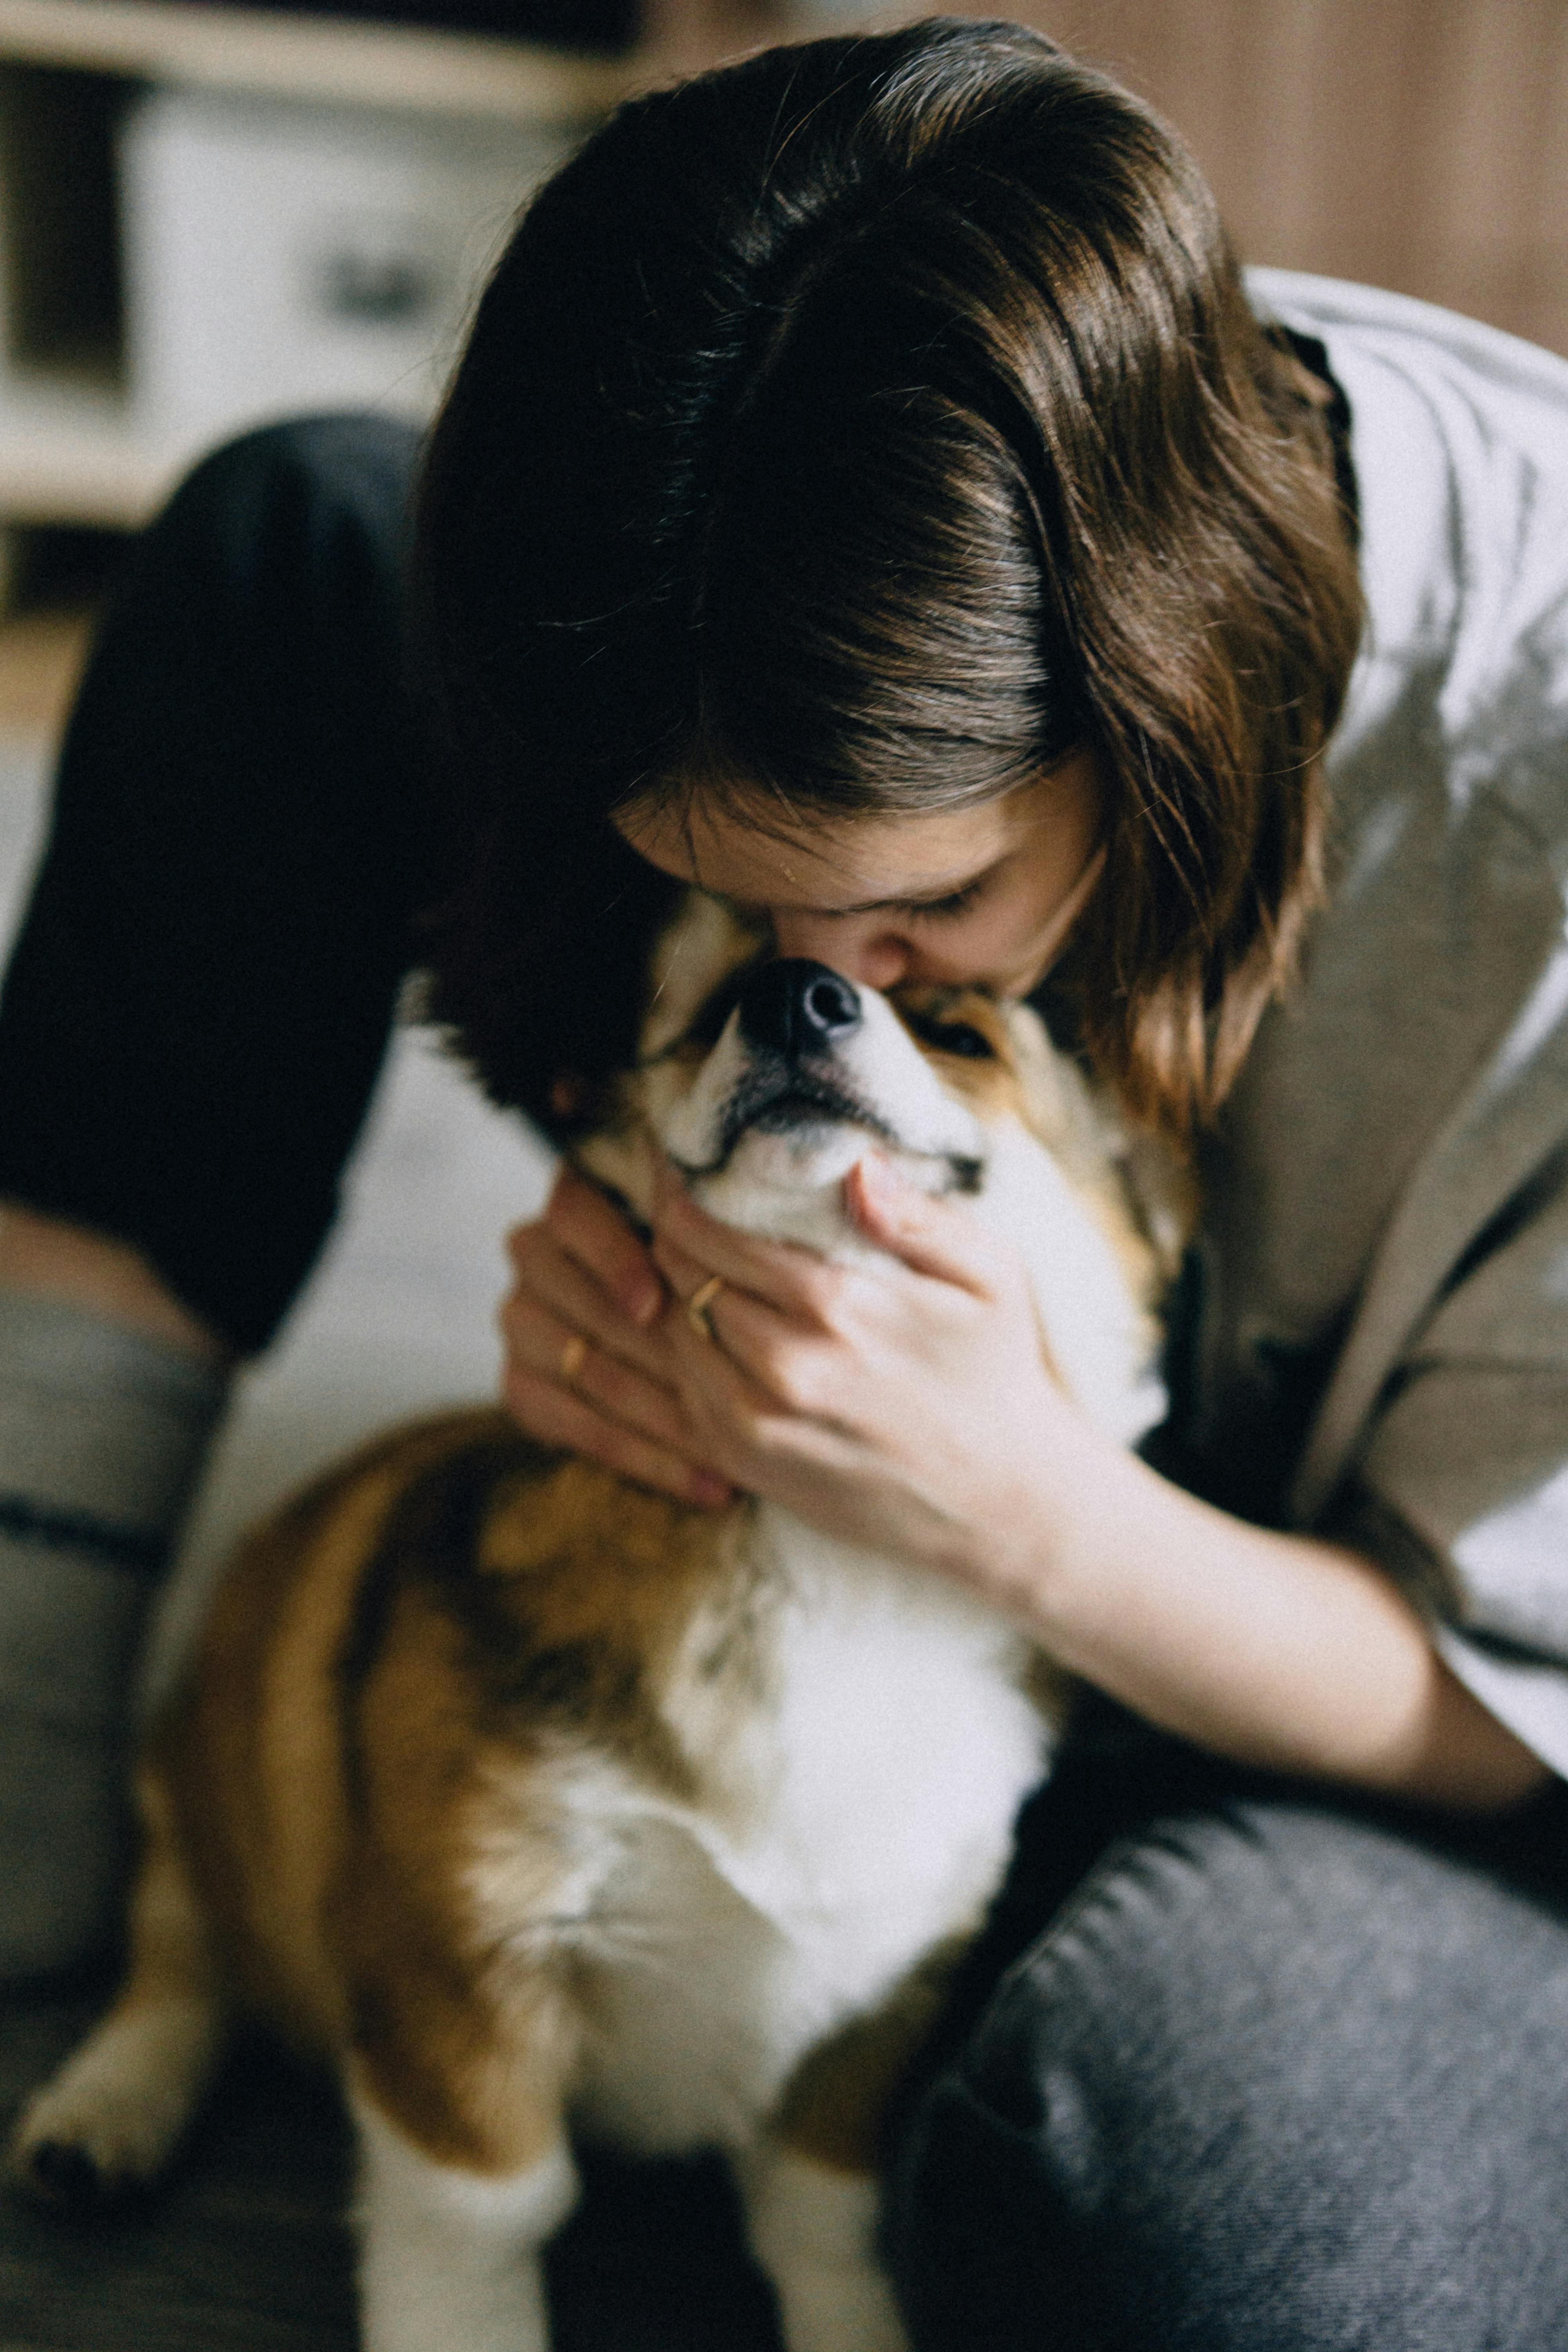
pixel 875 431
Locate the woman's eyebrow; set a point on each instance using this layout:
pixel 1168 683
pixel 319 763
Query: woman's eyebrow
pixel 927 893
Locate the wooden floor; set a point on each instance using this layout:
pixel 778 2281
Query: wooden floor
pixel 40 657
pixel 244 2251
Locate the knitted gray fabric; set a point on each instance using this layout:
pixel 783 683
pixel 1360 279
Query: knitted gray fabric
pixel 102 1433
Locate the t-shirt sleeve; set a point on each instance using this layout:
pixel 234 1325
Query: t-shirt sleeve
pixel 1462 1488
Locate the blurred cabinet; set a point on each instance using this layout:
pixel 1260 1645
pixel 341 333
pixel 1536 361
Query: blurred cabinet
pixel 279 256
pixel 211 217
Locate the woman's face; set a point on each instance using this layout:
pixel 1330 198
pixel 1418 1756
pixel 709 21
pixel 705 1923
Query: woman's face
pixel 974 896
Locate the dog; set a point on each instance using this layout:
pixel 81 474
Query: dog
pixel 543 1805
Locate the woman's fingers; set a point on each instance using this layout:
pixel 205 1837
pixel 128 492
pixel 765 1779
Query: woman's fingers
pixel 588 1368
pixel 591 1231
pixel 689 1245
pixel 798 1327
pixel 557 1281
pixel 939 1238
pixel 565 1391
pixel 549 1347
pixel 556 1417
pixel 769 1346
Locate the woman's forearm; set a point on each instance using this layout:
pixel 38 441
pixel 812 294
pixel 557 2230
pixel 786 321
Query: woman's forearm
pixel 910 1410
pixel 1280 1650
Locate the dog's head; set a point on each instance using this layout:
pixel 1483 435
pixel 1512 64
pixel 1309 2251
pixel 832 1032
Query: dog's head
pixel 765 1081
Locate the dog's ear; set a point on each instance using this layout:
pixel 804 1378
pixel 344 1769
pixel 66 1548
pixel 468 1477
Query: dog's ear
pixel 693 956
pixel 1145 1184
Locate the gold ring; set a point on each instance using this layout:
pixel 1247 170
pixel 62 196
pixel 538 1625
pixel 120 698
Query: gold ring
pixel 574 1356
pixel 700 1300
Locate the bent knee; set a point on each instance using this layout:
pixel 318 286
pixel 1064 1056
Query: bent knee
pixel 1248 2090
pixel 344 450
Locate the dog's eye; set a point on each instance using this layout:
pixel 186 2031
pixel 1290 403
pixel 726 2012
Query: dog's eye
pixel 958 1037
pixel 951 1037
pixel 711 1016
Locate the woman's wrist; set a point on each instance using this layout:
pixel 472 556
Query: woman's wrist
pixel 1048 1542
pixel 1283 1652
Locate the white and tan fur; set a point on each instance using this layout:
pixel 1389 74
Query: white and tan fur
pixel 543 1805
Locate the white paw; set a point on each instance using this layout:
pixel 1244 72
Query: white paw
pixel 108 2121
pixel 813 2230
pixel 448 2260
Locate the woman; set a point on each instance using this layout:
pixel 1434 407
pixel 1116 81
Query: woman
pixel 869 495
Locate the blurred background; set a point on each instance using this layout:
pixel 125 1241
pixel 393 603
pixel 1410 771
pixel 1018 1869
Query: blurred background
pixel 211 214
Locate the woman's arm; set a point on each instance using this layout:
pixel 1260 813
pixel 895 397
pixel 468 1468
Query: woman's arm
pixel 1281 1651
pixel 910 1407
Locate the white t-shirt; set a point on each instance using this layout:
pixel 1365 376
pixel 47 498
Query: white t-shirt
pixel 1377 1343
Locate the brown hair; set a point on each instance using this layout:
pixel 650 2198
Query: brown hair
pixel 862 428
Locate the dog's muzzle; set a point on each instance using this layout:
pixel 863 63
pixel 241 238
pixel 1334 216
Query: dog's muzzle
pixel 803 1053
pixel 793 1016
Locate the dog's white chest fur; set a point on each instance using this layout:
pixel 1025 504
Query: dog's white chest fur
pixel 859 1815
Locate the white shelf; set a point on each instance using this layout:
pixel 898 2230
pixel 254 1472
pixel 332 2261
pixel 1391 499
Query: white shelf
pixel 78 453
pixel 315 57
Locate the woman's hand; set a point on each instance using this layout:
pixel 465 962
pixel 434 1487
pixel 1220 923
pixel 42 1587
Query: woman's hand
pixel 588 1361
pixel 905 1405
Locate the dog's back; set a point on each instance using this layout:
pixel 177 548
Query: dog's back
pixel 694 1788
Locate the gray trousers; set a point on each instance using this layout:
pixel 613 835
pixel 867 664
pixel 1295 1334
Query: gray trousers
pixel 1280 2074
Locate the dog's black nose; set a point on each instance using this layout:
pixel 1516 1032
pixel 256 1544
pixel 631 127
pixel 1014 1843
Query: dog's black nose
pixel 797 1007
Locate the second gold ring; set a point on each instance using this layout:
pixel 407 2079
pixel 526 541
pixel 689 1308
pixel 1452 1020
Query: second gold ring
pixel 700 1300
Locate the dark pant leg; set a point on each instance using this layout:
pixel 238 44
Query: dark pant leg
pixel 201 994
pixel 1278 2078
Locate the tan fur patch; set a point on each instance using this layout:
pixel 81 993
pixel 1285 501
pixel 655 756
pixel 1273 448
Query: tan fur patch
pixel 834 2103
pixel 602 1582
pixel 249 1752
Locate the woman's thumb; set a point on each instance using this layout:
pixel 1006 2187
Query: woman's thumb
pixel 934 1236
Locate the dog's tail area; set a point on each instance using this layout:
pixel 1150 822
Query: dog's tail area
pixel 108 2121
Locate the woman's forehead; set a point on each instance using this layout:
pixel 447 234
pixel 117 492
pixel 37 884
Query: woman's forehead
pixel 839 866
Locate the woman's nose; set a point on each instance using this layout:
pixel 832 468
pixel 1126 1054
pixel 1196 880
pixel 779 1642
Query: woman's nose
pixel 877 958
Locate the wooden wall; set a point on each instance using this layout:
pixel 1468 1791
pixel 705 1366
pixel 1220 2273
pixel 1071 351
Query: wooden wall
pixel 1421 145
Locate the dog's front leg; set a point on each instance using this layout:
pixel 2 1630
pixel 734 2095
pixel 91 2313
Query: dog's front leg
pixel 449 2258
pixel 813 2229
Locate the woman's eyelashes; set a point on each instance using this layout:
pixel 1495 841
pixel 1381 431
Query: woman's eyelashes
pixel 762 919
pixel 955 902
